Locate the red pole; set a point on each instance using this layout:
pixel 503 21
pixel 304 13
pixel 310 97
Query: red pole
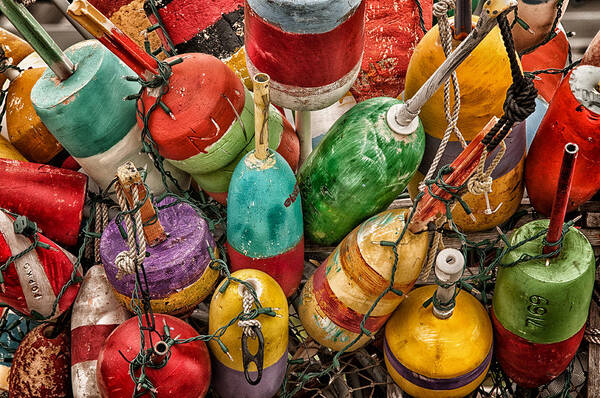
pixel 561 199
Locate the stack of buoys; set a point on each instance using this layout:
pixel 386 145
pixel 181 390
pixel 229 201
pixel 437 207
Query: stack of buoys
pixel 337 296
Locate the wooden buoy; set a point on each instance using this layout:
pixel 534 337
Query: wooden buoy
pixel 8 151
pixel 10 338
pixel 481 99
pixel 322 120
pixel 342 290
pixel 52 197
pixel 442 350
pixel 392 31
pixel 539 15
pixel 264 216
pixel 186 373
pixel 33 282
pixel 573 116
pixel 215 28
pixel 177 264
pixel 14 48
pixel 96 313
pixel 40 368
pixel 592 54
pixel 229 379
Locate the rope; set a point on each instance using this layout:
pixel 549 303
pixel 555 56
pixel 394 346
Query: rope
pixel 100 224
pixel 437 244
pixel 592 335
pixel 421 18
pixel 248 324
pixel 481 182
pixel 126 261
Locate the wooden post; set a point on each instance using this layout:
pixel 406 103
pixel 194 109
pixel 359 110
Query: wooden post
pixel 129 177
pixel 262 101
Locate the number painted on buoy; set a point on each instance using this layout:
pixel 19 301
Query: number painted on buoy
pixel 536 311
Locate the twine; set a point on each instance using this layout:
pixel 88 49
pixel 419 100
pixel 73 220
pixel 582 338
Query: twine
pixel 126 261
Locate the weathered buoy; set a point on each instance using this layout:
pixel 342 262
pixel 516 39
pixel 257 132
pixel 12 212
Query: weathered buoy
pixel 592 54
pixel 53 198
pixel 342 290
pixel 177 263
pixel 264 215
pixel 392 30
pixel 229 379
pixel 8 151
pixel 14 48
pixel 40 368
pixel 322 120
pixel 540 306
pixel 573 116
pixel 33 282
pixel 186 373
pixel 215 28
pixel 442 350
pixel 540 16
pixel 96 313
pixel 15 329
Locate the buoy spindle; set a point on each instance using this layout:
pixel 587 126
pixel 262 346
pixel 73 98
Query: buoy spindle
pixel 449 267
pixel 561 199
pixel 159 352
pixel 262 100
pixel 38 38
pixel 463 19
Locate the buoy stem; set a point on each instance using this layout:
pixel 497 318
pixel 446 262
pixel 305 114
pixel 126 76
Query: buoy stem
pixel 38 38
pixel 303 129
pixel 463 19
pixel 129 177
pixel 449 266
pixel 113 38
pixel 561 199
pixel 62 6
pixel 159 352
pixel 262 101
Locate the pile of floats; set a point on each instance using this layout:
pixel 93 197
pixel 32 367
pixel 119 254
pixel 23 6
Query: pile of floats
pixel 364 85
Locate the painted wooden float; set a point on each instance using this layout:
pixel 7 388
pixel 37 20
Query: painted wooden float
pixel 8 151
pixel 215 28
pixel 337 296
pixel 322 120
pixel 32 283
pixel 539 15
pixel 10 340
pixel 52 197
pixel 40 368
pixel 14 48
pixel 573 116
pixel 177 265
pixel 96 313
pixel 481 99
pixel 186 373
pixel 229 379
pixel 264 215
pixel 592 54
pixel 439 350
pixel 392 31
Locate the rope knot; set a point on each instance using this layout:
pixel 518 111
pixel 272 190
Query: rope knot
pixel 520 100
pixel 125 264
pixel 245 323
pixel 442 7
pixel 480 184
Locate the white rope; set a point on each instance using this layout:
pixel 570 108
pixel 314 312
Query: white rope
pixel 100 224
pixel 481 182
pixel 248 324
pixel 126 261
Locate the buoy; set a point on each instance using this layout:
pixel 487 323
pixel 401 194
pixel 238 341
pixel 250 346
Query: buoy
pixel 392 31
pixel 15 330
pixel 573 116
pixel 14 48
pixel 592 54
pixel 341 291
pixel 33 282
pixel 442 350
pixel 539 16
pixel 322 120
pixel 96 313
pixel 264 216
pixel 186 373
pixel 210 120
pixel 540 307
pixel 66 100
pixel 229 379
pixel 215 28
pixel 177 263
pixel 8 151
pixel 53 198
pixel 40 368
pixel 481 99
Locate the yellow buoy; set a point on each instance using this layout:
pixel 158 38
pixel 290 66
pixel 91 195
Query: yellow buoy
pixel 14 48
pixel 8 151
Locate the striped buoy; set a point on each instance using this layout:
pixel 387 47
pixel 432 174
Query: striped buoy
pixel 186 373
pixel 539 15
pixel 53 198
pixel 32 282
pixel 342 290
pixel 96 313
pixel 14 48
pixel 539 311
pixel 264 214
pixel 311 33
pixel 573 116
pixel 392 31
pixel 439 351
pixel 228 372
pixel 40 368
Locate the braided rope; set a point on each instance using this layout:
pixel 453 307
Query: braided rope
pixel 592 336
pixel 126 261
pixel 248 303
pixel 437 244
pixel 101 222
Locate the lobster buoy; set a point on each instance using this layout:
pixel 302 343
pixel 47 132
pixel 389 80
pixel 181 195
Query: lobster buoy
pixel 32 283
pixel 10 338
pixel 592 54
pixel 481 99
pixel 539 312
pixel 322 120
pixel 41 192
pixel 264 215
pixel 177 264
pixel 573 116
pixel 15 49
pixel 215 28
pixel 229 379
pixel 40 368
pixel 392 31
pixel 186 373
pixel 444 351
pixel 337 296
pixel 358 170
pixel 96 313
pixel 8 151
pixel 540 16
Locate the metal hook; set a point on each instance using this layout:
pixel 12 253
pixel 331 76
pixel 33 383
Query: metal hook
pixel 257 358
